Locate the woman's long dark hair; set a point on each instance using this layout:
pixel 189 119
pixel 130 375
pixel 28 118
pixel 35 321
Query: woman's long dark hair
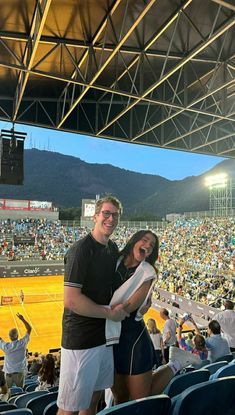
pixel 127 250
pixel 47 372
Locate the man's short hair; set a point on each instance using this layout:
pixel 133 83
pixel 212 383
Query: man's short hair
pixel 108 199
pixel 214 326
pixel 229 305
pixel 165 312
pixel 13 334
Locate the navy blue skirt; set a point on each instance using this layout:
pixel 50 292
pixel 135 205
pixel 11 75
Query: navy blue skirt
pixel 135 353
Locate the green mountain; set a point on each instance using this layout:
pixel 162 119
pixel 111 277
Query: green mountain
pixel 66 180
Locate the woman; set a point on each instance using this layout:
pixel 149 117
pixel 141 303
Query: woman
pixel 47 374
pixel 134 355
pixel 156 337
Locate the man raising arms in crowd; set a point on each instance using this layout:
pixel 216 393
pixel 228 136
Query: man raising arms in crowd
pixel 86 362
pixel 15 361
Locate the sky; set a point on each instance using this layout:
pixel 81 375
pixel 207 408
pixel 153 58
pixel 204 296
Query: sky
pixel 171 164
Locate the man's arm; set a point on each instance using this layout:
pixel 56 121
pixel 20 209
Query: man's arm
pixel 81 304
pixel 27 325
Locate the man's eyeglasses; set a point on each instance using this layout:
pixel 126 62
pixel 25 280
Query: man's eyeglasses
pixel 106 214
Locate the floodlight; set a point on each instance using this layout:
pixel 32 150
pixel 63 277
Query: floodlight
pixel 217 181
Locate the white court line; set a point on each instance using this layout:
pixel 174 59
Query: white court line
pixel 61 307
pixel 28 318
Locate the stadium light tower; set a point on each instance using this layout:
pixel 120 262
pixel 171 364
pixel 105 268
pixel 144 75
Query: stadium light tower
pixel 220 187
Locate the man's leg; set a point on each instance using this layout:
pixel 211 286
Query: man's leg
pixel 9 380
pixel 18 379
pixel 93 406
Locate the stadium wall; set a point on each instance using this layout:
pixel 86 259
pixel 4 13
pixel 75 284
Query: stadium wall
pixel 30 269
pixel 21 214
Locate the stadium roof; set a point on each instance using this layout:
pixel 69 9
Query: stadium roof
pixel 155 72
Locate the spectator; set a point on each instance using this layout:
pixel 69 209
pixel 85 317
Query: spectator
pixel 36 364
pixel 47 374
pixel 199 345
pixel 226 320
pixel 169 332
pixel 4 390
pixel 15 362
pixel 156 337
pixel 217 346
pixel 134 355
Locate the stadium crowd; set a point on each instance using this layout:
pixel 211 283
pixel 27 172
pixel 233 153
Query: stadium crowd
pixel 198 254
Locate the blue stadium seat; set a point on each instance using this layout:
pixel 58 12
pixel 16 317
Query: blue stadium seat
pixel 38 404
pixel 51 409
pixel 227 357
pixel 185 370
pixel 5 406
pixel 31 387
pixel 13 398
pixel 228 370
pixel 213 397
pixel 53 388
pixel 213 367
pixel 18 411
pixel 16 389
pixel 179 383
pixel 21 401
pixel 152 405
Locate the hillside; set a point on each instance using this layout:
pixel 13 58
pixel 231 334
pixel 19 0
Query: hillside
pixel 66 180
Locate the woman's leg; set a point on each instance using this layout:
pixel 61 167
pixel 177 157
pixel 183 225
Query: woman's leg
pixel 139 386
pixel 160 379
pixel 119 389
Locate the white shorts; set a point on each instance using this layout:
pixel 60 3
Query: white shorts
pixel 83 372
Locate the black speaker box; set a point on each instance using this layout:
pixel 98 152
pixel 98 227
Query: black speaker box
pixel 11 161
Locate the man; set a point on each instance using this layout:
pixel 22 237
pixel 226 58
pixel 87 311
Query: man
pixel 217 346
pixel 86 362
pixel 15 362
pixel 226 320
pixel 169 332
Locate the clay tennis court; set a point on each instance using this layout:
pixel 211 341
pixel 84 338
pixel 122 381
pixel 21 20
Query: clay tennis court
pixel 42 308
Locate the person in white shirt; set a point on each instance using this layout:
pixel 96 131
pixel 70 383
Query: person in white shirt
pixel 169 332
pixel 226 319
pixel 15 361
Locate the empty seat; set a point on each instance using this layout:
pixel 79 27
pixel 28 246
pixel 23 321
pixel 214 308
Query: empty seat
pixel 179 383
pixel 38 403
pixel 226 357
pixel 228 370
pixel 213 367
pixel 16 389
pixel 31 387
pixel 213 397
pixel 21 401
pixel 51 409
pixel 5 406
pixel 53 388
pixel 153 405
pixel 18 411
